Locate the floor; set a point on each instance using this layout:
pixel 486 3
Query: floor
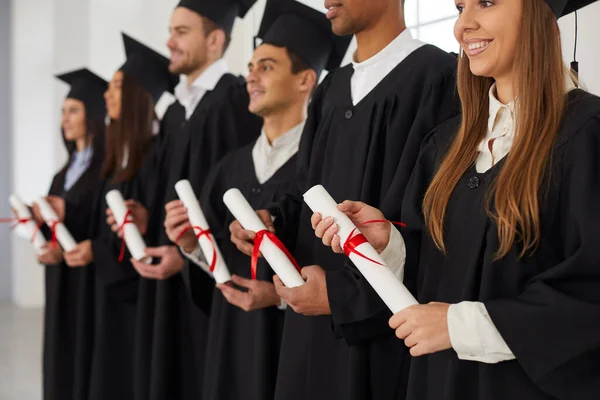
pixel 20 353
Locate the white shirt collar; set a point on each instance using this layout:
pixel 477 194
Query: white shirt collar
pixel 495 107
pixel 369 73
pixel 268 158
pixel 290 138
pixel 402 43
pixel 501 129
pixel 190 95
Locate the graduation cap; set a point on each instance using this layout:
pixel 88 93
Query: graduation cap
pixel 304 31
pixel 149 68
pixel 221 12
pixel 88 88
pixel 564 7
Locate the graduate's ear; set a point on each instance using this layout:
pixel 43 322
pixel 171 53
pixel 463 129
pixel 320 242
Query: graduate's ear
pixel 308 80
pixel 216 42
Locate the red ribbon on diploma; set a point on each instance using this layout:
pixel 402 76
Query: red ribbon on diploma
pixel 260 235
pixel 203 232
pixel 126 220
pixel 352 242
pixel 17 221
pixel 21 221
pixel 53 225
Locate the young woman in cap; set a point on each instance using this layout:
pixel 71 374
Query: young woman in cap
pixel 502 221
pixel 82 124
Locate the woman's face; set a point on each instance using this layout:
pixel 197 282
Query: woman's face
pixel 488 33
pixel 113 96
pixel 73 119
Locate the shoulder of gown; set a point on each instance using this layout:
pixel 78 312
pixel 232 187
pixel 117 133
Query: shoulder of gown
pixel 580 110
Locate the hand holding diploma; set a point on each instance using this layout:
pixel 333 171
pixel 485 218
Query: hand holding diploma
pixel 309 299
pixel 199 226
pixel 57 204
pixel 378 234
pixel 131 234
pixel 423 327
pixel 259 294
pixel 368 261
pixel 171 263
pixel 50 256
pixel 244 238
pixel 59 230
pixel 27 224
pixel 178 227
pixel 278 257
pixel 139 214
pixel 80 256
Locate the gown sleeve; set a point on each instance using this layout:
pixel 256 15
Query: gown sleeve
pixel 357 311
pixel 553 326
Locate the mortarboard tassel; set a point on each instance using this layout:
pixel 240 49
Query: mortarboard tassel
pixel 574 63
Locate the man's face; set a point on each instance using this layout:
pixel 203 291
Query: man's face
pixel 271 84
pixel 187 42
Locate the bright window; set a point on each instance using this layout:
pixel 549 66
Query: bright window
pixel 432 21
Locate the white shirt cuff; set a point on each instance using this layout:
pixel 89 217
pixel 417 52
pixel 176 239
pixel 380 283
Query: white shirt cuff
pixel 282 305
pixel 197 257
pixel 474 336
pixel 394 254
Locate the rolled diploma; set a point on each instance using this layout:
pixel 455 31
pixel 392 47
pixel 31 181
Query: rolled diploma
pixel 133 238
pixel 62 233
pixel 197 218
pixel 245 214
pixel 30 226
pixel 393 292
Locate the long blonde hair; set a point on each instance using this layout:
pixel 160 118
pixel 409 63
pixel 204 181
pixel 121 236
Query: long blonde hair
pixel 540 86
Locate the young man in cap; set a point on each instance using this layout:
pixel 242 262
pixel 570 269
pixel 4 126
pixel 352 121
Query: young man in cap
pixel 361 141
pixel 246 317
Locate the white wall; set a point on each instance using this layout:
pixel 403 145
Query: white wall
pixel 35 114
pixel 588 48
pixel 5 145
pixel 50 36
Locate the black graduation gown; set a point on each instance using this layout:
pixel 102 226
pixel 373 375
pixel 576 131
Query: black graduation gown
pixel 64 376
pixel 220 123
pixel 546 306
pixel 154 189
pixel 364 152
pixel 115 288
pixel 243 347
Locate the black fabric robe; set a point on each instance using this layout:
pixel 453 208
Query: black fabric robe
pixel 546 306
pixel 220 123
pixel 114 285
pixel 66 373
pixel 243 347
pixel 364 152
pixel 152 200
